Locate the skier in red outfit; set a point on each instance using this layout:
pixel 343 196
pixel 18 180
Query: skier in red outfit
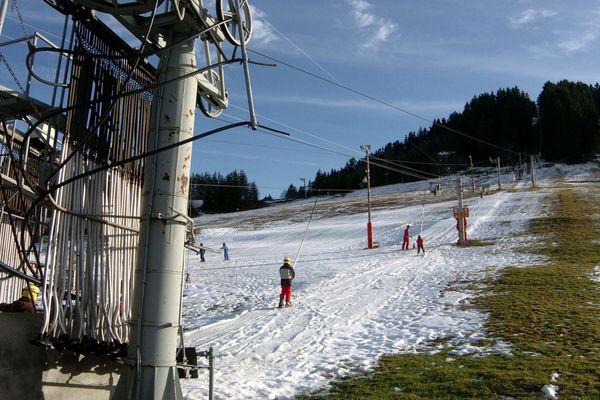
pixel 420 245
pixel 287 275
pixel 405 241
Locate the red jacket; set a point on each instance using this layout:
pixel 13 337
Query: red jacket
pixel 420 241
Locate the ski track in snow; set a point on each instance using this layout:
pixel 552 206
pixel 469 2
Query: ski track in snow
pixel 350 305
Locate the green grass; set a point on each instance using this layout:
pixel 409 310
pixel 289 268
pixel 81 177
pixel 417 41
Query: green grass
pixel 476 243
pixel 549 313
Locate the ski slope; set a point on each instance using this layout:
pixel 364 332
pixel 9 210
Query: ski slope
pixel 350 304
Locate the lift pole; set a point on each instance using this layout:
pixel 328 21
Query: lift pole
pixel 499 176
pixel 532 171
pixel 151 370
pixel 461 216
pixel 3 9
pixel 366 149
pixel 304 185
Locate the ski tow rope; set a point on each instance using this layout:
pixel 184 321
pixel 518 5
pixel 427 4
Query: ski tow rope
pixel 306 231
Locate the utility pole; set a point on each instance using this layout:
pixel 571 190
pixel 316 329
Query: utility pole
pixel 304 185
pixel 472 177
pixel 244 53
pixel 461 217
pixel 499 177
pixel 3 9
pixel 532 171
pixel 151 369
pixel 366 149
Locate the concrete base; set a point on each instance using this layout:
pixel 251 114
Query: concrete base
pixel 31 372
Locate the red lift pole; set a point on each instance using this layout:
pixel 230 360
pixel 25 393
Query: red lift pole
pixel 366 149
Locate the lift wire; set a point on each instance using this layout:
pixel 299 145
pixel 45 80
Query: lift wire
pixel 282 134
pixel 147 154
pixel 419 149
pixel 15 7
pixel 385 103
pixel 55 112
pixel 346 147
pixel 350 149
pixel 306 231
pixel 35 28
pixel 277 133
pixel 26 226
pixel 106 115
pixel 218 185
pixel 81 144
pixel 116 164
pixel 311 59
pixel 304 132
pixel 399 164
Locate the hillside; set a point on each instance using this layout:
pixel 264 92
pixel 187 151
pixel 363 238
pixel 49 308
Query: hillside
pixel 353 305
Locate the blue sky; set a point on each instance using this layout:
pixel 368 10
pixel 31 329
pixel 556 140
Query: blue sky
pixel 428 58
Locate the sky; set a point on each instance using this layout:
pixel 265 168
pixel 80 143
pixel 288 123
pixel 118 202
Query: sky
pixel 375 70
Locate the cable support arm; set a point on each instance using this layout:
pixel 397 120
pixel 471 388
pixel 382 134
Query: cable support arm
pixel 14 272
pixel 56 112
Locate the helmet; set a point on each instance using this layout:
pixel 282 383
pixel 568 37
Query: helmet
pixel 287 260
pixel 31 292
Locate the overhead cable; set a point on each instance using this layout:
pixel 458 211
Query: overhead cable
pixel 385 103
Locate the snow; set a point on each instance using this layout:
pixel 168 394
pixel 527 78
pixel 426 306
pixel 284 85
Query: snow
pixel 351 305
pixel 550 392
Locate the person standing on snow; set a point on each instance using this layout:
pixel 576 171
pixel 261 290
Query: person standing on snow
pixel 225 252
pixel 201 252
pixel 420 245
pixel 287 275
pixel 405 240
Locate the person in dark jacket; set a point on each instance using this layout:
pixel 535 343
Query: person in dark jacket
pixel 287 275
pixel 25 304
pixel 201 252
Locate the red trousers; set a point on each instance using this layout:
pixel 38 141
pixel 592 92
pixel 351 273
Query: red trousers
pixel 405 244
pixel 286 292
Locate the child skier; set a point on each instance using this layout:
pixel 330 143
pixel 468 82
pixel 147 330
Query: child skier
pixel 420 245
pixel 405 240
pixel 287 274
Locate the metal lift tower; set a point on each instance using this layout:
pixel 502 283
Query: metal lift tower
pixel 151 370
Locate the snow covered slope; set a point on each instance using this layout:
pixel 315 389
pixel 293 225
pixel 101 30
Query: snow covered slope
pixel 350 305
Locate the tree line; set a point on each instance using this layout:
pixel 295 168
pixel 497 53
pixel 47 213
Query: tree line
pixel 232 192
pixel 563 125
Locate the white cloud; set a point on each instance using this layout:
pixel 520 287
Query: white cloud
pixel 262 32
pixel 581 42
pixel 529 16
pixel 377 29
pixel 583 36
pixel 420 106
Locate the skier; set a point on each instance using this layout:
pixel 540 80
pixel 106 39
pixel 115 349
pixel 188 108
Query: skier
pixel 25 303
pixel 187 277
pixel 405 241
pixel 225 252
pixel 420 245
pixel 287 274
pixel 201 252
